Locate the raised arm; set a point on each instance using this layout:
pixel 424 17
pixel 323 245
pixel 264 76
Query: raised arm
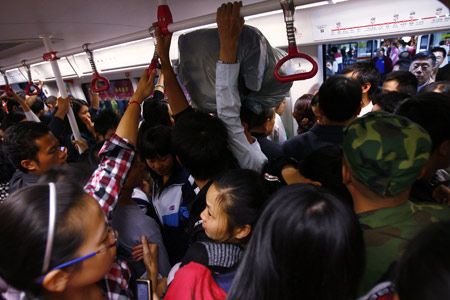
pixel 177 99
pixel 227 95
pixel 116 156
pixel 26 108
pixel 128 126
pixel 95 101
pixel 31 99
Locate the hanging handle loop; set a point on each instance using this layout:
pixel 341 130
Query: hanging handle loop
pixel 97 79
pixel 8 89
pixel 30 84
pixel 289 11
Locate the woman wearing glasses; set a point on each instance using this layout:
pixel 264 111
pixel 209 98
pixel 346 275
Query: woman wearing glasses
pixel 56 239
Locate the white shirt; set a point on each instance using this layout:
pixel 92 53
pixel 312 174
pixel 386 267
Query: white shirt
pixel 366 109
pixel 249 156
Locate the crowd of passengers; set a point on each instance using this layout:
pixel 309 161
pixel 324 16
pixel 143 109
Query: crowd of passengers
pixel 226 206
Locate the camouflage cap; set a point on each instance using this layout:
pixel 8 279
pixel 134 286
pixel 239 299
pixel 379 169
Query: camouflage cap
pixel 386 152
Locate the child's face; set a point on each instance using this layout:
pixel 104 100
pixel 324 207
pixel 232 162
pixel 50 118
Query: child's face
pixel 215 221
pixel 98 236
pixel 162 165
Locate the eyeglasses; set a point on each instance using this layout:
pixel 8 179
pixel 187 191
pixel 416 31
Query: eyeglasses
pixel 77 260
pixel 51 235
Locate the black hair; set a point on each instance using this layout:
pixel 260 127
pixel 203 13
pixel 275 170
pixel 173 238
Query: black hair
pixel 93 158
pixel 24 228
pixel 20 142
pixel 242 195
pixel 325 166
pixel 156 111
pixel 443 73
pixel 306 245
pixel 365 72
pixel 431 111
pixel 76 106
pixel 405 55
pixel 69 172
pixel 3 114
pixel 13 118
pixel 439 49
pixel 157 141
pixel 407 82
pixel 425 55
pixel 340 98
pixel 254 120
pixel 403 63
pixel 424 269
pixel 49 99
pixel 10 104
pixel 304 114
pixel 390 101
pixel 107 119
pixel 6 168
pixel 442 87
pixel 37 106
pixel 201 143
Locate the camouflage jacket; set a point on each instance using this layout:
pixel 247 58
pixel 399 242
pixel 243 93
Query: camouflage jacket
pixel 387 232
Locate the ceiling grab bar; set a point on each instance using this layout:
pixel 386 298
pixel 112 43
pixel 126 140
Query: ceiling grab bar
pixel 30 84
pixel 8 89
pixel 52 58
pixel 289 11
pixel 96 77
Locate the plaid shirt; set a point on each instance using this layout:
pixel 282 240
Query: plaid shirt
pixel 105 185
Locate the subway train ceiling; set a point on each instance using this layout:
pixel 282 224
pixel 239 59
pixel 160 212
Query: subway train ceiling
pixel 73 23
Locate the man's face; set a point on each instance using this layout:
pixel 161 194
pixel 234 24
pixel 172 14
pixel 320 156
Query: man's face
pixel 439 58
pixel 422 68
pixel 380 53
pixel 49 154
pixel 390 86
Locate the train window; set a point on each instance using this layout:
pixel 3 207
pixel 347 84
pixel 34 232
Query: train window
pixel 116 97
pixel 346 53
pixel 424 43
pixel 338 56
pixel 119 90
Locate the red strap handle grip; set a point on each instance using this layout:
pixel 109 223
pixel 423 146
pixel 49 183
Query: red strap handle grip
pixel 164 18
pixel 153 65
pixel 97 78
pixel 36 92
pixel 293 52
